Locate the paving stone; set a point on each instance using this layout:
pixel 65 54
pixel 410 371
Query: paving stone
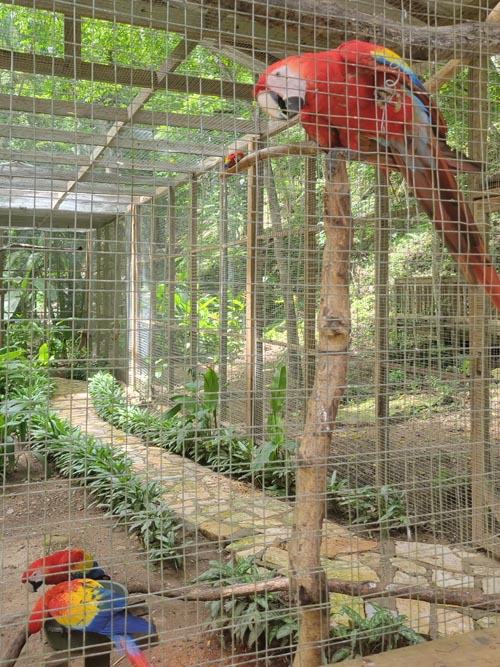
pixel 276 558
pixel 369 558
pixel 339 600
pixel 257 542
pixel 491 585
pixel 451 622
pixel 255 551
pixel 482 571
pixel 409 580
pixel 488 621
pixel 337 569
pixel 408 566
pixel 437 555
pixel 445 579
pixel 332 546
pixel 417 612
pixel 218 530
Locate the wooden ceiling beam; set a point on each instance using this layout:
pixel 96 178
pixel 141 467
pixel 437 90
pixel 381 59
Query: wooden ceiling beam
pixel 126 143
pixel 189 19
pixel 117 178
pixel 44 157
pixel 36 219
pixel 73 68
pixel 90 111
pixel 181 51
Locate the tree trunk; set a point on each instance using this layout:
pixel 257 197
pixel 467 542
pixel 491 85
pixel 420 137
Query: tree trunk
pixel 308 581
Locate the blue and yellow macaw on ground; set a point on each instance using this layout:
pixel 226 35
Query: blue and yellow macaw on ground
pixel 85 605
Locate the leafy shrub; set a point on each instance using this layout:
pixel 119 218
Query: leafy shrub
pixel 272 464
pixel 24 386
pixel 381 630
pixel 370 505
pixel 189 427
pixel 256 621
pixel 128 498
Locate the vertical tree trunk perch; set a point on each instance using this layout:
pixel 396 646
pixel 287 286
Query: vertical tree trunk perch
pixel 308 580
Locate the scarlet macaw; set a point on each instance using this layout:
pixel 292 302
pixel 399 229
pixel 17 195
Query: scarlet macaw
pixel 85 605
pixel 365 99
pixel 62 566
pixel 233 158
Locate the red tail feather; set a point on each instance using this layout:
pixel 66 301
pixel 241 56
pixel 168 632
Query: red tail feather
pixel 130 649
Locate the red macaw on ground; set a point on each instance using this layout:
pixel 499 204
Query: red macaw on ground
pixel 364 99
pixel 62 566
pixel 84 605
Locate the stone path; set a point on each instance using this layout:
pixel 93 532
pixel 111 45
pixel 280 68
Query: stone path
pixel 244 521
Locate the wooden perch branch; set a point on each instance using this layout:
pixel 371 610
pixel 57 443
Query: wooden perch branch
pixel 285 150
pixel 367 590
pixel 14 649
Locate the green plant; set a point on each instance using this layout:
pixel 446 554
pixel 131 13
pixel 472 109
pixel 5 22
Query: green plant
pixel 24 386
pixel 108 474
pixel 383 507
pixel 189 427
pixel 381 630
pixel 272 464
pixel 261 620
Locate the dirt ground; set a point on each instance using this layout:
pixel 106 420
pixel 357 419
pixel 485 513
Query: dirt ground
pixel 57 513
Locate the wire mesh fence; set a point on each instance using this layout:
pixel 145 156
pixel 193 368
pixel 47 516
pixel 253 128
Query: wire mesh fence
pixel 248 401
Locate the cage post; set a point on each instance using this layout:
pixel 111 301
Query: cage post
pixel 193 271
pixel 107 296
pixel 308 580
pixel 310 271
pixel 152 298
pixel 282 257
pixel 381 327
pixel 2 288
pixel 223 296
pixel 171 250
pixel 480 313
pixel 133 291
pixel 253 342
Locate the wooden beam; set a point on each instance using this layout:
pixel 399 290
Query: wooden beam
pixel 310 270
pixel 474 649
pixel 78 110
pixel 193 272
pixel 72 68
pixel 190 19
pixel 37 219
pixel 481 448
pixel 28 185
pixel 171 251
pixel 60 159
pixel 105 140
pixel 250 301
pixel 382 330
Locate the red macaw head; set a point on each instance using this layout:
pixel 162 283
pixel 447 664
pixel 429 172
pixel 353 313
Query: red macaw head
pixel 62 566
pixel 281 90
pixel 233 158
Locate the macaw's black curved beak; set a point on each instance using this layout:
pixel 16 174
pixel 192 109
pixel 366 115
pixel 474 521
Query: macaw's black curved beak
pixel 293 106
pixel 35 585
pixel 289 107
